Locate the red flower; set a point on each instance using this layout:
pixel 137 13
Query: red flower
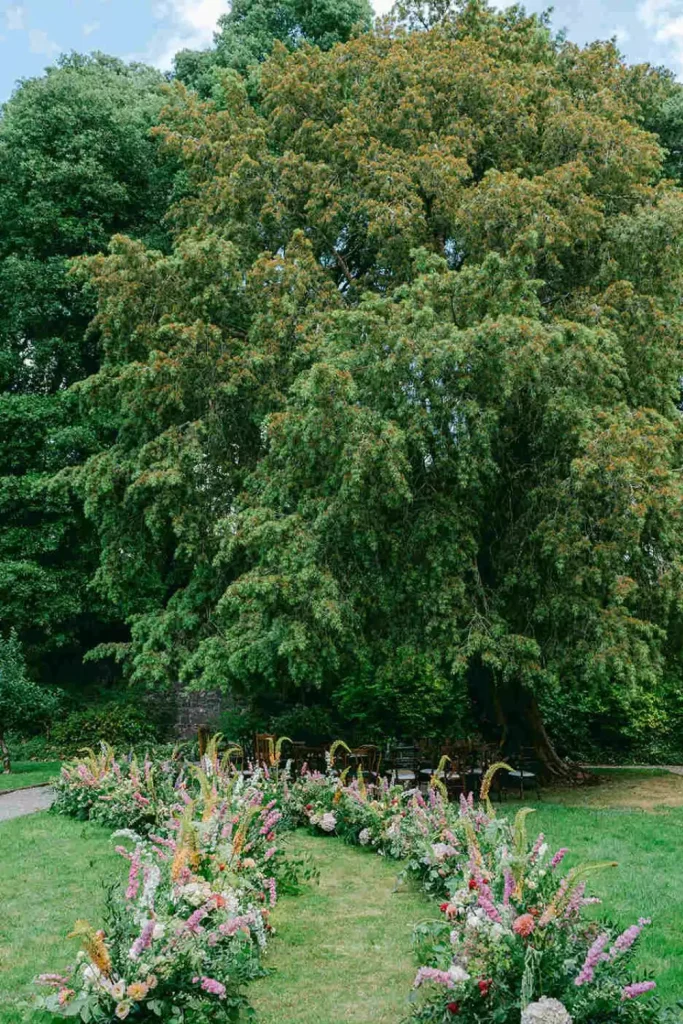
pixel 453 1007
pixel 443 907
pixel 484 986
pixel 473 883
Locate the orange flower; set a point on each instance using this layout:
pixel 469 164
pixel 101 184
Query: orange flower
pixel 137 991
pixel 524 925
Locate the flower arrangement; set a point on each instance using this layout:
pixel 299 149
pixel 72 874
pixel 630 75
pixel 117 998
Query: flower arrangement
pixel 205 867
pixel 187 932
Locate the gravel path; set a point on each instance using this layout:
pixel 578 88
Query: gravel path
pixel 25 801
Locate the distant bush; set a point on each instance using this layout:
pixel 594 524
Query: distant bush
pixel 121 725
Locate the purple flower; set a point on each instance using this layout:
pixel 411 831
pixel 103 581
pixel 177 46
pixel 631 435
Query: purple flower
pixel 537 846
pixel 575 901
pixel 193 922
pixel 143 941
pixel 432 974
pixel 559 856
pixel 627 938
pixel 637 989
pixel 212 986
pixel 595 955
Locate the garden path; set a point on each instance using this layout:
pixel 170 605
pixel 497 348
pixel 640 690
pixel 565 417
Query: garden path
pixel 25 801
pixel 343 953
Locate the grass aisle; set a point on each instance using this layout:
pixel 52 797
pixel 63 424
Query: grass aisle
pixel 343 949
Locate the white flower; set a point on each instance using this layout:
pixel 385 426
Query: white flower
pixel 473 921
pixel 328 822
pixel 530 884
pixel 118 990
pixel 364 837
pixel 546 1011
pixel 542 850
pixel 458 973
pixel 123 1009
pixel 159 930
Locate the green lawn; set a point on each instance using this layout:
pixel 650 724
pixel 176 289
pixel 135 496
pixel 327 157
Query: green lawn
pixel 29 773
pixel 343 950
pixel 51 873
pixel 648 881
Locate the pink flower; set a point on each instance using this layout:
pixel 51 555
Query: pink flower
pixel 212 986
pixel 637 989
pixel 489 908
pixel 432 974
pixel 559 856
pixel 627 938
pixel 523 925
pixel 270 853
pixel 134 875
pixel 509 888
pixel 193 922
pixel 595 955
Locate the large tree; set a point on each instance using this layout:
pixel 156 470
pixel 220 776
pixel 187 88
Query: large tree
pixel 399 418
pixel 77 164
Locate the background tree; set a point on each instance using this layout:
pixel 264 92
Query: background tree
pixel 247 33
pixel 77 163
pixel 398 412
pixel 22 702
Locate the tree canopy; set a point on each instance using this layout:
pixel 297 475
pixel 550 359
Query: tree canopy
pixel 247 33
pixel 397 414
pixel 77 164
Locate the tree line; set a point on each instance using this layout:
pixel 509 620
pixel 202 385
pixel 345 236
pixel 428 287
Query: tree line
pixel 341 368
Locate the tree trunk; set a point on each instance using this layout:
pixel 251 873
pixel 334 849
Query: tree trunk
pixel 4 751
pixel 543 745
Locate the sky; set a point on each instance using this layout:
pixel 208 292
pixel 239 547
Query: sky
pixel 34 32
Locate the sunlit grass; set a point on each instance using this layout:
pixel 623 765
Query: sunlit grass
pixel 29 773
pixel 343 952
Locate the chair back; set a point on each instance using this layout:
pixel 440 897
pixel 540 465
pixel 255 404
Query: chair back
pixel 262 747
pixel 368 758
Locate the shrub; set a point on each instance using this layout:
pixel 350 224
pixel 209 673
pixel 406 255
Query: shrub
pixel 119 724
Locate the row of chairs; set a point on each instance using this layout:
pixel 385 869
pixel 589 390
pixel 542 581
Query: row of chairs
pixel 416 764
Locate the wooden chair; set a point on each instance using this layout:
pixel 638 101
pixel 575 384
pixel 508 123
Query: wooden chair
pixel 262 748
pixel 367 758
pixel 525 774
pixel 404 766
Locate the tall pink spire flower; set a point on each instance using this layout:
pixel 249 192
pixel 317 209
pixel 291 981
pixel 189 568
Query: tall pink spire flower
pixel 134 875
pixel 639 988
pixel 627 938
pixel 596 954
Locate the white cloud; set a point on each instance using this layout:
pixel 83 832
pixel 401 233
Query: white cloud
pixel 183 24
pixel 383 6
pixel 39 42
pixel 664 18
pixel 93 26
pixel 621 34
pixel 15 18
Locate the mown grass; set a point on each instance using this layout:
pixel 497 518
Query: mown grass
pixel 29 773
pixel 648 881
pixel 52 871
pixel 343 951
